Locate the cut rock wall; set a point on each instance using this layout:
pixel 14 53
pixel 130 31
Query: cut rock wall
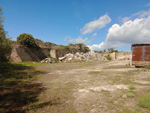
pixel 21 53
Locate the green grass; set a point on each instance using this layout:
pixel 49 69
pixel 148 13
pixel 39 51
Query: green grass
pixel 28 63
pixel 144 101
pixel 131 93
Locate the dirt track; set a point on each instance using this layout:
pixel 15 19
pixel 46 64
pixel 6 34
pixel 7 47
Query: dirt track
pixel 93 87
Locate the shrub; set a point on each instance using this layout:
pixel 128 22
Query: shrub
pixel 144 101
pixel 26 40
pixel 67 47
pixel 108 58
pixel 131 93
pixel 112 50
pixel 86 49
pixel 38 40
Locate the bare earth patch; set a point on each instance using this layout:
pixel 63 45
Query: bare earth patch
pixel 93 87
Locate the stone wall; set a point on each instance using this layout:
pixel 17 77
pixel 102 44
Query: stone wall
pixel 122 55
pixel 60 53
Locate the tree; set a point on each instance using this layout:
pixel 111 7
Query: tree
pixel 38 40
pixel 26 40
pixel 112 50
pixel 5 43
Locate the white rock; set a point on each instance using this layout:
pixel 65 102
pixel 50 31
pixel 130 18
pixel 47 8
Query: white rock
pixel 61 58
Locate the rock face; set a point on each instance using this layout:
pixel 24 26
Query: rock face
pixel 45 44
pixel 89 56
pixel 21 53
pixel 60 51
pixel 71 52
pixel 124 55
pixel 79 47
pixel 113 55
pixel 45 50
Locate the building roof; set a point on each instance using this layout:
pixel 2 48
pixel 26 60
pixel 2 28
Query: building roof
pixel 140 44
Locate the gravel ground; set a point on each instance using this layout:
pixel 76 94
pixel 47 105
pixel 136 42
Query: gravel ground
pixel 93 87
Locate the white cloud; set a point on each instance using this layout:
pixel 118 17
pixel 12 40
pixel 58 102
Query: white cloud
pixel 148 4
pixel 137 31
pixel 95 34
pixel 140 14
pixel 77 40
pixel 125 19
pixel 95 25
pixel 96 47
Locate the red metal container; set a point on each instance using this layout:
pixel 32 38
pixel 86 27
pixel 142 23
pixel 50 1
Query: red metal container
pixel 141 54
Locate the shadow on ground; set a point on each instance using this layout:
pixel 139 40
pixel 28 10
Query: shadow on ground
pixel 18 90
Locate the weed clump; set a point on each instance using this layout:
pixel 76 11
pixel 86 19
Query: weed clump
pixel 108 58
pixel 131 93
pixel 132 87
pixel 144 101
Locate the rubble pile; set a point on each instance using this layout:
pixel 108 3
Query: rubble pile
pixel 89 56
pixel 47 60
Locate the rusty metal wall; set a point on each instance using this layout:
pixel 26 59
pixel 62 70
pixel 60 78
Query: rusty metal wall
pixel 147 53
pixel 140 55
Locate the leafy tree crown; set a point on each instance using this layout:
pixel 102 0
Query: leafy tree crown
pixel 26 40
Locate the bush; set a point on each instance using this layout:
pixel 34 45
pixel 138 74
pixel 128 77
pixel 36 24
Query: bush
pixel 108 58
pixel 67 47
pixel 26 40
pixel 38 40
pixel 112 50
pixel 131 93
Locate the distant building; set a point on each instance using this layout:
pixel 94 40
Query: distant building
pixel 140 54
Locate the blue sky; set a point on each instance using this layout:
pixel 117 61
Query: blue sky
pixel 100 24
